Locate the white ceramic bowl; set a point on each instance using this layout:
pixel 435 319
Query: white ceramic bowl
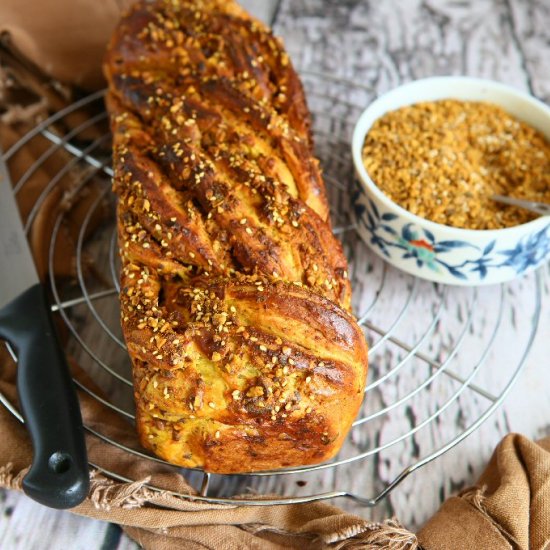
pixel 435 251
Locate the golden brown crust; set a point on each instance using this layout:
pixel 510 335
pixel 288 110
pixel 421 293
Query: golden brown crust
pixel 234 293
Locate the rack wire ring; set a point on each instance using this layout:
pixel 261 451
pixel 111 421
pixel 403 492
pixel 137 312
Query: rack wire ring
pixel 332 134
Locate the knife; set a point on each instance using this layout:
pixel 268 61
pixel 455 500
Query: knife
pixel 58 476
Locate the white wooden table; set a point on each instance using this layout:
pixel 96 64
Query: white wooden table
pixel 382 44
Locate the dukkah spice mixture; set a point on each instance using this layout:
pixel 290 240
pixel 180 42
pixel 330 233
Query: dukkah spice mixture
pixel 443 160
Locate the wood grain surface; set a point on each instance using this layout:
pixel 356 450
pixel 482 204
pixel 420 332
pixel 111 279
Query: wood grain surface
pixel 379 45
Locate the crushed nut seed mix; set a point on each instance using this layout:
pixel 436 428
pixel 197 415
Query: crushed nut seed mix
pixel 443 160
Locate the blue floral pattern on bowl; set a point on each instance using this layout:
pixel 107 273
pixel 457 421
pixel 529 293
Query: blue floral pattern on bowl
pixel 393 239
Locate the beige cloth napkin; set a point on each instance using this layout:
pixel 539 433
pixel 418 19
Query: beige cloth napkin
pixel 508 508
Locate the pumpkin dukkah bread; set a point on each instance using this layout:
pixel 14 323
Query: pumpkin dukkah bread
pixel 235 300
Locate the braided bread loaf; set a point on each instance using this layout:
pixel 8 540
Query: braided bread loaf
pixel 234 293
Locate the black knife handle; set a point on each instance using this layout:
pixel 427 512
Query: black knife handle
pixel 59 475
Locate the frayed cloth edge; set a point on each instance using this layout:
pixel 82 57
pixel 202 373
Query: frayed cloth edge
pixel 11 480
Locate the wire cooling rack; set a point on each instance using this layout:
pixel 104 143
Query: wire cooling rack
pixel 441 359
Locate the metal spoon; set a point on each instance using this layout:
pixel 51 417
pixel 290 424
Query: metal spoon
pixel 538 207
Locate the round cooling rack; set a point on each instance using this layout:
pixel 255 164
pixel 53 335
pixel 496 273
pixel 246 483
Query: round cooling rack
pixel 434 350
